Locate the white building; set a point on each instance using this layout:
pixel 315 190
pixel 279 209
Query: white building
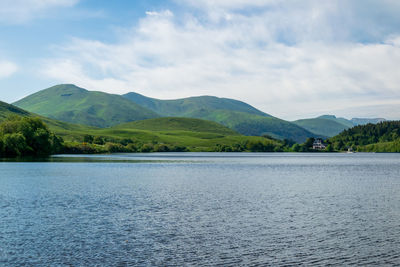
pixel 318 144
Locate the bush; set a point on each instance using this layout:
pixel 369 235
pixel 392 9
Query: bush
pixel 25 136
pixel 114 148
pixel 98 140
pixel 147 148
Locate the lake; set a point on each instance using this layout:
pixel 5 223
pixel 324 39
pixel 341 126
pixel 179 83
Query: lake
pixel 201 209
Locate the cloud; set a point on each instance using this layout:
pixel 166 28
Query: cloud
pixel 288 60
pixel 7 69
pixel 20 11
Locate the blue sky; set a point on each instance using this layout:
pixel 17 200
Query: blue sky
pixel 292 59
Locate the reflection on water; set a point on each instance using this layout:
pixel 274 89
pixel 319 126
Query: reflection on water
pixel 201 209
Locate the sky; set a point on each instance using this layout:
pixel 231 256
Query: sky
pixel 290 58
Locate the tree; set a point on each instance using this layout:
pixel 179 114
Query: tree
pixel 26 136
pixel 15 145
pixel 87 138
pixel 98 140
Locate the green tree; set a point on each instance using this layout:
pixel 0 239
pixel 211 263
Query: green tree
pixel 15 145
pixel 87 138
pixel 26 136
pixel 98 140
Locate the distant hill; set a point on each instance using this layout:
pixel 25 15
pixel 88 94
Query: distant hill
pixel 343 121
pixel 326 125
pixel 234 114
pixel 363 121
pixel 381 137
pixel 330 125
pixel 70 103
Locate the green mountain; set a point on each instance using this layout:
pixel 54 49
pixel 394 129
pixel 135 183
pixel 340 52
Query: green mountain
pixel 70 103
pixel 381 137
pixel 234 114
pixel 326 125
pixel 185 107
pixel 343 121
pixel 154 134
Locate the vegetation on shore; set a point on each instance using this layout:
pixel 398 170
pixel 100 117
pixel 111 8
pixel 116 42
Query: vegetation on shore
pixel 30 136
pixel 25 136
pixel 381 137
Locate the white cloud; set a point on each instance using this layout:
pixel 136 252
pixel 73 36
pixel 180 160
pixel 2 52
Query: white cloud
pixel 7 69
pixel 290 61
pixel 19 11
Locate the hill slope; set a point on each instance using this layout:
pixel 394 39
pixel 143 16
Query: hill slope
pixel 191 134
pixel 177 124
pixel 326 125
pixel 194 134
pixel 70 103
pixel 234 114
pixel 381 137
pixel 7 110
pixel 63 129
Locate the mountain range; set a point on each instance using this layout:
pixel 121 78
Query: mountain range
pixel 72 104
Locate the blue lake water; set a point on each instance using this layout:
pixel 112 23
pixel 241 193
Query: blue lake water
pixel 201 209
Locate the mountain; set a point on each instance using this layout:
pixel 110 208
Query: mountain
pixel 363 121
pixel 326 125
pixel 185 107
pixel 175 133
pixel 330 125
pixel 70 103
pixel 234 114
pixel 343 121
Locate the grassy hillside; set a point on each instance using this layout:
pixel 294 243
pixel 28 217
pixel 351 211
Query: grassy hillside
pixel 64 129
pixel 76 105
pixel 322 126
pixel 234 114
pixel 254 125
pixel 7 110
pixel 177 124
pixel 343 121
pixel 196 135
pixel 381 137
pixel 191 134
pixel 152 134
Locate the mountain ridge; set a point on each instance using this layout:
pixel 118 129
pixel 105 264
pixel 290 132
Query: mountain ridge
pixel 67 102
pixel 232 113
